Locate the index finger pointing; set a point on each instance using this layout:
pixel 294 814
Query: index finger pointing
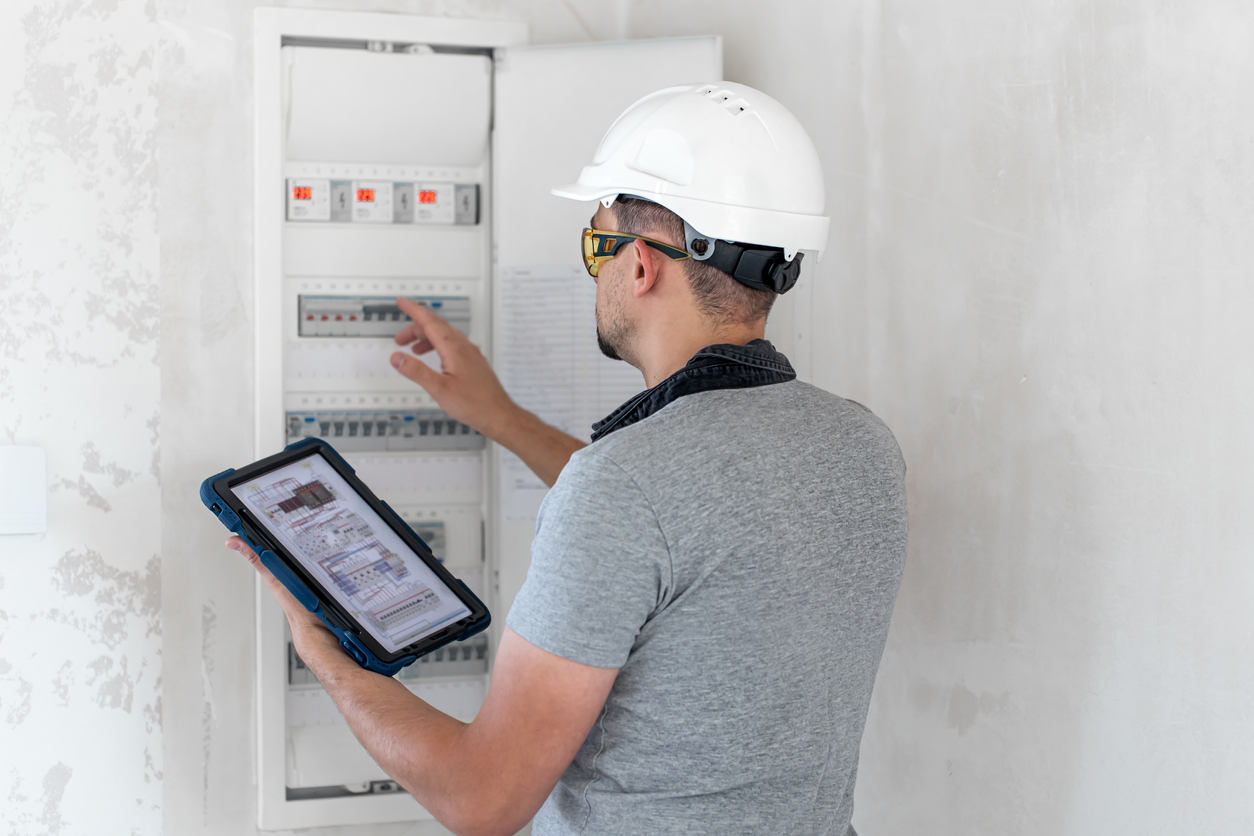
pixel 430 323
pixel 415 330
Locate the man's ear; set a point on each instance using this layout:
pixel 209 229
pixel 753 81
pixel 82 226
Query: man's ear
pixel 645 269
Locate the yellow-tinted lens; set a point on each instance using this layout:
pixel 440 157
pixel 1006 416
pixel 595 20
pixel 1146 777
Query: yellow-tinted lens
pixel 589 253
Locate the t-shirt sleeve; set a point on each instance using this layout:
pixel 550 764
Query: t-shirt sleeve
pixel 599 565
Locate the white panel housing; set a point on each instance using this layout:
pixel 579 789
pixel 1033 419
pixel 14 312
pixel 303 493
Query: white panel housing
pixel 343 106
pixel 403 106
pixel 332 111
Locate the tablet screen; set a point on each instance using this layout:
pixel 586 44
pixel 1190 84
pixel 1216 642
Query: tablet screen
pixel 340 540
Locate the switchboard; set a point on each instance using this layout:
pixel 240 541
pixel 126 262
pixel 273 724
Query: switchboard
pixel 382 164
pixel 411 157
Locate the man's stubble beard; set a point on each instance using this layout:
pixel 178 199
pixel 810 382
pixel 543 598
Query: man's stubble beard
pixel 606 348
pixel 613 338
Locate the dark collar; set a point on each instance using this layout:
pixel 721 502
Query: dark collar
pixel 722 366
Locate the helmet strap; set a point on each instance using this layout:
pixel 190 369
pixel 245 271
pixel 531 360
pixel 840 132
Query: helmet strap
pixel 761 268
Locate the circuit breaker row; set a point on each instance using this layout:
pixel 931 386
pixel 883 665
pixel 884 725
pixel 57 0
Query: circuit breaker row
pixel 366 431
pixel 372 316
pixel 382 202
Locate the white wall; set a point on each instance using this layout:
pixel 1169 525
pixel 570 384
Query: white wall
pixel 125 329
pixel 80 606
pixel 1060 256
pixel 1039 276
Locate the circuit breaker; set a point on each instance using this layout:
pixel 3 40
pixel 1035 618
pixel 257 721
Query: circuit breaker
pixel 408 156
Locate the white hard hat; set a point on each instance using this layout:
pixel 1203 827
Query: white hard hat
pixel 728 159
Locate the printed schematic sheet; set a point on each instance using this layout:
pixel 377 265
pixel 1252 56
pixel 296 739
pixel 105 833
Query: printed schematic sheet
pixel 550 365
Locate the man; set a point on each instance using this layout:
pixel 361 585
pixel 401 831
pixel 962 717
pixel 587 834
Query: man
pixel 712 578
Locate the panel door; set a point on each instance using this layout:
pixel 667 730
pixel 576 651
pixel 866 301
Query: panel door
pixel 552 106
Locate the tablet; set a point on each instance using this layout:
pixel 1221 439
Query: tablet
pixel 345 555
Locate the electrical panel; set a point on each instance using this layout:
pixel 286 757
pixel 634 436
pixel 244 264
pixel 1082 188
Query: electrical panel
pixel 387 147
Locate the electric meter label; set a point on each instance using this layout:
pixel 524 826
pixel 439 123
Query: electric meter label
pixel 433 203
pixel 341 201
pixel 308 200
pixel 372 201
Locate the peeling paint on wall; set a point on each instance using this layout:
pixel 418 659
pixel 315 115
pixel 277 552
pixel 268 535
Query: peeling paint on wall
pixel 208 716
pixel 18 701
pixel 54 784
pixel 119 593
pixel 80 606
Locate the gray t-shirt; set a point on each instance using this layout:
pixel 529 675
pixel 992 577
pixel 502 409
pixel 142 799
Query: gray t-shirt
pixel 737 555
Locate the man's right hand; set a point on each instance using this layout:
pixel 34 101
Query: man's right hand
pixel 468 390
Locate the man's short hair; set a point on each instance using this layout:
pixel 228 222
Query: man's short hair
pixel 721 298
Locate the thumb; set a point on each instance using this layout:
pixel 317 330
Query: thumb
pixel 237 544
pixel 286 599
pixel 416 370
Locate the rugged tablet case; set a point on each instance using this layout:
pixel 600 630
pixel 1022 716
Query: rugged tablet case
pixel 351 644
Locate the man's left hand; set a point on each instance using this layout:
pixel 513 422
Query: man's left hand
pixel 315 644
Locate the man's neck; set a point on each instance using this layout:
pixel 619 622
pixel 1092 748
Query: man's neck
pixel 662 357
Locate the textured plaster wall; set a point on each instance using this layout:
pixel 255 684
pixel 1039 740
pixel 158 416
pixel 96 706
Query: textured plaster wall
pixel 1060 260
pixel 80 606
pixel 1041 275
pixel 125 325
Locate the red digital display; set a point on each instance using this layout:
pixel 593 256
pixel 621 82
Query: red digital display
pixel 426 196
pixel 365 195
pixel 302 193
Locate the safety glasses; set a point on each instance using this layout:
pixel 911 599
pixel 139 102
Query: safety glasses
pixel 600 245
